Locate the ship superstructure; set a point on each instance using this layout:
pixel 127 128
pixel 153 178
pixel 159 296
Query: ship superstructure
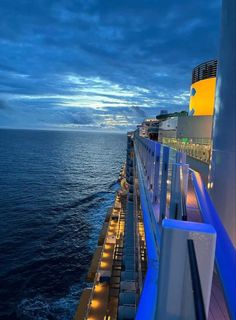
pixel 167 246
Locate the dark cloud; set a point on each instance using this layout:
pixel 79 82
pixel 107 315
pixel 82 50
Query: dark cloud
pixel 131 57
pixel 3 105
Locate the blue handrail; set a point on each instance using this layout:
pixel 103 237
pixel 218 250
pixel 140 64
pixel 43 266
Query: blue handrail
pixel 147 306
pixel 225 258
pixel 225 252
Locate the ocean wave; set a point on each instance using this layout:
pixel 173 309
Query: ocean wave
pixel 84 201
pixel 41 308
pixel 54 200
pixel 34 308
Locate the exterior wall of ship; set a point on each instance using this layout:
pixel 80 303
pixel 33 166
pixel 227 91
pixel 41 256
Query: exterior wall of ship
pixel 144 131
pixel 223 175
pixel 171 134
pixel 169 124
pixel 146 125
pixel 202 96
pixel 199 127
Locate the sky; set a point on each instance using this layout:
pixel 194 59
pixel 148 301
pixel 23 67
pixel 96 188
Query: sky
pixel 100 64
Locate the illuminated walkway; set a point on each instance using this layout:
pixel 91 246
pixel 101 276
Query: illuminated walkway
pixel 103 303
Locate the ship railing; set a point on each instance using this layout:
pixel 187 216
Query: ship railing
pixel 197 148
pixel 152 235
pixel 164 177
pixel 184 277
pixel 153 229
pixel 225 260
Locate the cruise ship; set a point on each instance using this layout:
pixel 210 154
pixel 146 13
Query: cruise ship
pixel 167 247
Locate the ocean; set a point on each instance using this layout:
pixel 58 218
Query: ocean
pixel 55 187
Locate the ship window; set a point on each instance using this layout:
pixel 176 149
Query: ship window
pixel 193 92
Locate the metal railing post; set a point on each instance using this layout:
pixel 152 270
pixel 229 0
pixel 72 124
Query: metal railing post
pixel 179 189
pixel 156 170
pixel 150 164
pixel 145 156
pixel 164 176
pixel 175 199
pixel 180 157
pixel 185 175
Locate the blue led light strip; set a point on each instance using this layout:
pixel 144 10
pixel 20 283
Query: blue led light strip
pixel 148 299
pixel 225 258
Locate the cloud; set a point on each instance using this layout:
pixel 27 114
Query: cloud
pixel 133 56
pixel 3 105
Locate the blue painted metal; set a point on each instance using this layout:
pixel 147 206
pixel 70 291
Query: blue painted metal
pixel 156 172
pixel 151 166
pixel 191 226
pixel 175 198
pixel 225 251
pixel 149 163
pixel 148 299
pixel 164 176
pixel 180 157
pixel 147 306
pixel 152 234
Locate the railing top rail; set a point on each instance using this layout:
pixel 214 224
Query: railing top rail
pixel 225 252
pixel 150 283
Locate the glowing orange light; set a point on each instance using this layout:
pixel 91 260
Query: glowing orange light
pixel 103 264
pixel 98 288
pixel 95 303
pixel 105 255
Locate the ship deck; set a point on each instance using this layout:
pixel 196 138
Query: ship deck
pixel 102 300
